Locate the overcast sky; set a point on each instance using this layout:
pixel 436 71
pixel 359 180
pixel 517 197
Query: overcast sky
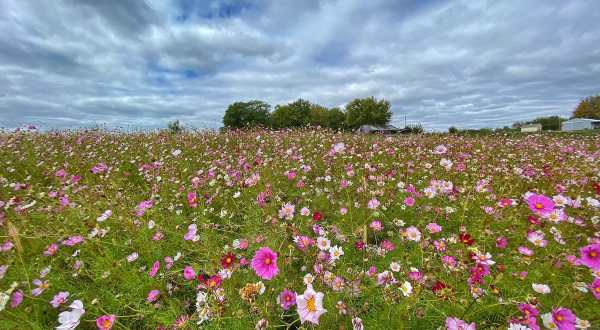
pixel 469 63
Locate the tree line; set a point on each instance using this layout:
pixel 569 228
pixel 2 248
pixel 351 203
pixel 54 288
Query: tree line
pixel 302 113
pixel 589 108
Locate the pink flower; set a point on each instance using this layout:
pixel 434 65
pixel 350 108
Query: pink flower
pixel 105 322
pixel 41 287
pixel 501 242
pixel 192 198
pixel 154 269
pixel 99 168
pixel 564 318
pixel 189 273
pixel 153 295
pixel 51 250
pixel 453 323
pixel 59 299
pixel 310 306
pixel 16 299
pixel 373 204
pixel 409 201
pixel 191 233
pixel 595 288
pixel 286 299
pixel 525 251
pixel 433 228
pixel 376 225
pixel 73 240
pixel 590 256
pixel 264 263
pixel 540 204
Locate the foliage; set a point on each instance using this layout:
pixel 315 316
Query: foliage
pixel 367 111
pixel 175 127
pixel 452 130
pixel 415 129
pixel 294 114
pixel 550 123
pixel 588 108
pixel 247 114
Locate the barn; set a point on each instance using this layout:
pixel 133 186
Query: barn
pixel 579 124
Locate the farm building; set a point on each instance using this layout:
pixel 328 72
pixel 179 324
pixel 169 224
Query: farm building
pixel 578 124
pixel 385 129
pixel 530 128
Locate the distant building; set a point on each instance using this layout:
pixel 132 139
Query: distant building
pixel 384 129
pixel 530 128
pixel 578 124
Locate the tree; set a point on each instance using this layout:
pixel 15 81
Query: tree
pixel 588 108
pixel 318 115
pixel 294 114
pixel 174 127
pixel 367 111
pixel 247 114
pixel 452 130
pixel 336 118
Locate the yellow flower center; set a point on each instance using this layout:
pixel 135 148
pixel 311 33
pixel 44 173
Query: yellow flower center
pixel 268 261
pixel 559 318
pixel 539 206
pixel 311 304
pixel 593 254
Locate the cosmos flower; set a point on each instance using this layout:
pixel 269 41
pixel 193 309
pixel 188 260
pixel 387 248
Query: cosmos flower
pixel 564 318
pixel 59 299
pixel 264 263
pixel 595 288
pixel 590 256
pixel 453 323
pixel 287 211
pixel 286 299
pixel 310 306
pixel 189 273
pixel 540 288
pixel 105 322
pixel 540 204
pixel 153 295
pixel 70 319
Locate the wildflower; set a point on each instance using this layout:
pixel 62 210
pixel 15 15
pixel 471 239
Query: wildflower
pixel 59 299
pixel 287 211
pixel 228 260
pixel 73 240
pixel 406 288
pixel 540 204
pixel 262 324
pixel 191 233
pixel 501 242
pixel 453 323
pixel 310 306
pixel 192 199
pixel 525 251
pixel 154 269
pixel 41 287
pixel 51 250
pixel 70 319
pixel 189 273
pixel 336 252
pixel 376 225
pixel 357 323
pixel 104 216
pixel 373 204
pixel 540 288
pixel 323 243
pixel 99 168
pixel 595 288
pixel 590 256
pixel 433 228
pixel 485 259
pixel 132 257
pixel 264 263
pixel 466 239
pixel 105 322
pixel 395 266
pixel 303 242
pixel 308 279
pixel 152 296
pixel 286 299
pixel 409 201
pixel 563 318
pixel 16 299
pixel 413 234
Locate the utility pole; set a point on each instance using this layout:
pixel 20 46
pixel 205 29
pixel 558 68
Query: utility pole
pixel 404 120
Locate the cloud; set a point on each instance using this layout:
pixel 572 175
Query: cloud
pixel 441 63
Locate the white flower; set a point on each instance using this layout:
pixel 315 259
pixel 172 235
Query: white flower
pixel 336 252
pixel 176 152
pixel 517 326
pixel 395 266
pixel 308 279
pixel 413 234
pixel 237 194
pixel 540 288
pixel 582 324
pixel 132 257
pixel 323 243
pixel 548 321
pixel 70 319
pixel 406 288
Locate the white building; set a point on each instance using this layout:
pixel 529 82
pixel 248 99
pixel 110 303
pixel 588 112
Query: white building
pixel 530 128
pixel 578 124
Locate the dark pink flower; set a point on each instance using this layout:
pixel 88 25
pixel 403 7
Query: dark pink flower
pixel 595 288
pixel 154 269
pixel 540 204
pixel 590 256
pixel 264 263
pixel 105 322
pixel 286 299
pixel 564 318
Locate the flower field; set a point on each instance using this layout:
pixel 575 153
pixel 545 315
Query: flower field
pixel 298 229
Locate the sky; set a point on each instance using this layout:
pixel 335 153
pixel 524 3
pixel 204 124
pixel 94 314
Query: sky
pixel 140 64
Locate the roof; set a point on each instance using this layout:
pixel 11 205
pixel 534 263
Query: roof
pixel 531 125
pixel 378 127
pixel 590 120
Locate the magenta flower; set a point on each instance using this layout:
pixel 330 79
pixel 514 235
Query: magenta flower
pixel 595 288
pixel 191 233
pixel 564 318
pixel 99 168
pixel 189 273
pixel 16 299
pixel 501 242
pixel 590 256
pixel 152 296
pixel 540 204
pixel 286 299
pixel 51 250
pixel 154 269
pixel 73 240
pixel 192 198
pixel 105 322
pixel 264 263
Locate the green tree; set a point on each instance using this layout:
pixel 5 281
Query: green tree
pixel 367 111
pixel 294 114
pixel 175 127
pixel 336 118
pixel 318 115
pixel 588 108
pixel 247 114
